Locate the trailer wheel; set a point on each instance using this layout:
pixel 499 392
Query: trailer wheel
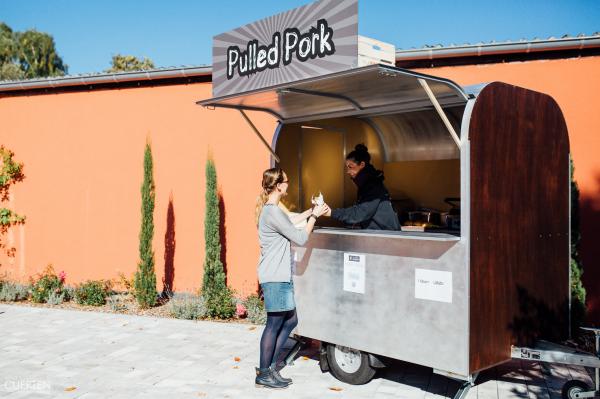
pixel 349 365
pixel 574 387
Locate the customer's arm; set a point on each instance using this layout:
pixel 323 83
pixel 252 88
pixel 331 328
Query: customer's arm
pixel 281 223
pixel 299 217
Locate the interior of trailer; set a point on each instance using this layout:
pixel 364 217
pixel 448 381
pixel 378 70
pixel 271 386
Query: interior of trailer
pixel 419 159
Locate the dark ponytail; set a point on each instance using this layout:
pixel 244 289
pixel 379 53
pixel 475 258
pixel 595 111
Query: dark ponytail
pixel 360 154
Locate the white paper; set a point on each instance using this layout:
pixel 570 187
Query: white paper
pixel 318 200
pixel 354 273
pixel 433 285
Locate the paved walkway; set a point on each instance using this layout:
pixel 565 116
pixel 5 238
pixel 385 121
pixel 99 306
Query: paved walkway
pixel 54 353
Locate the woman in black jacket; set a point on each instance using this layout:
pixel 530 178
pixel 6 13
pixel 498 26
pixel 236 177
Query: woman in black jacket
pixel 373 209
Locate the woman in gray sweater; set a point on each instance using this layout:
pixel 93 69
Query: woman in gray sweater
pixel 275 232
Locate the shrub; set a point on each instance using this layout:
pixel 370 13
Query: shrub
pixel 92 292
pixel 145 278
pixel 125 284
pixel 46 283
pixel 69 293
pixel 255 310
pixel 117 303
pixel 240 308
pixel 12 292
pixel 11 172
pixel 220 303
pixel 188 307
pixel 55 298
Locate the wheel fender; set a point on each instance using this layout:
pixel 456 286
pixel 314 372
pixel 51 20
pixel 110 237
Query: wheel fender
pixel 323 362
pixel 375 362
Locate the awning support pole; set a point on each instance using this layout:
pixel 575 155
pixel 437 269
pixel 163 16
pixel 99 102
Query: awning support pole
pixel 260 136
pixel 440 111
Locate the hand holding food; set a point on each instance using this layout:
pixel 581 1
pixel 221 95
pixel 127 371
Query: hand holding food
pixel 320 210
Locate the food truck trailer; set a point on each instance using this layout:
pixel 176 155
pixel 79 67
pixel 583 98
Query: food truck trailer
pixel 480 179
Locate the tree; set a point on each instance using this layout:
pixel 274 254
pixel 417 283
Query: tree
pixel 145 278
pixel 37 55
pixel 28 54
pixel 10 173
pixel 218 296
pixel 578 292
pixel 125 63
pixel 8 45
pixel 11 71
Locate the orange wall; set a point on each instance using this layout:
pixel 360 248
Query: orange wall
pixel 83 164
pixel 575 85
pixel 83 156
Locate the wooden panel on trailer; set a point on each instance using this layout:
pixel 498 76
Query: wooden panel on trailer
pixel 519 222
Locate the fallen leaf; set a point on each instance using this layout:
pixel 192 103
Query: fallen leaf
pixel 252 328
pixel 235 367
pixel 237 359
pixel 337 389
pixel 69 389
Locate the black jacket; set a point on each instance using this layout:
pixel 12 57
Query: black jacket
pixel 373 209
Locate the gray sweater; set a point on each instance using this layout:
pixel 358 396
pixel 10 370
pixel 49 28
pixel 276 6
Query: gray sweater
pixel 275 231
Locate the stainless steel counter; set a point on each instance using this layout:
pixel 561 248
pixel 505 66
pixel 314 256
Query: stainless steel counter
pixel 411 235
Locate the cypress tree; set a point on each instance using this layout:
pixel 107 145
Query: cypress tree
pixel 578 292
pixel 145 278
pixel 214 287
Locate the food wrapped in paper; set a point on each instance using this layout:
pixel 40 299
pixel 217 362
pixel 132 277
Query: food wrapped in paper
pixel 318 200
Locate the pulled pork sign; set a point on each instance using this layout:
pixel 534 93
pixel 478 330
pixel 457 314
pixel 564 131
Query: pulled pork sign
pixel 316 39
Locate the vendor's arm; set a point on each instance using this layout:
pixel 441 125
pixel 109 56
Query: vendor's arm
pixel 357 213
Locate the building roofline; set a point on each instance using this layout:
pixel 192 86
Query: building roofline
pixel 106 78
pixel 510 47
pixel 402 56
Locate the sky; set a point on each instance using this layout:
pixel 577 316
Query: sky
pixel 179 32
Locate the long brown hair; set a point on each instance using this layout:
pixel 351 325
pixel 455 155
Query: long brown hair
pixel 271 178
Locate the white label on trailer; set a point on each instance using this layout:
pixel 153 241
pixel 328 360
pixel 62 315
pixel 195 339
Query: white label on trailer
pixel 354 273
pixel 433 285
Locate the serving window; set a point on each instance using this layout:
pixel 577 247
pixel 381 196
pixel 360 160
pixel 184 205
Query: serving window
pixel 420 161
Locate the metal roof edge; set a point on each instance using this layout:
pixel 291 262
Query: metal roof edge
pixel 104 78
pixel 569 43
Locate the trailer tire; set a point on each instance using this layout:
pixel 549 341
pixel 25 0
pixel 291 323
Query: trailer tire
pixel 574 387
pixel 349 365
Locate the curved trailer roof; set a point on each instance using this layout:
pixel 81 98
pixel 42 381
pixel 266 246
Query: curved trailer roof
pixel 369 90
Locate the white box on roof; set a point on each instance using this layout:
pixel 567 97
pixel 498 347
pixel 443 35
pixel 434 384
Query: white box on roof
pixel 371 51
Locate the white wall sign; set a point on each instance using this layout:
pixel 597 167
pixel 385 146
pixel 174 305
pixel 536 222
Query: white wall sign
pixel 354 273
pixel 433 285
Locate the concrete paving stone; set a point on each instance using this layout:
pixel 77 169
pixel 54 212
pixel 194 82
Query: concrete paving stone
pixel 472 394
pixel 538 393
pixel 389 389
